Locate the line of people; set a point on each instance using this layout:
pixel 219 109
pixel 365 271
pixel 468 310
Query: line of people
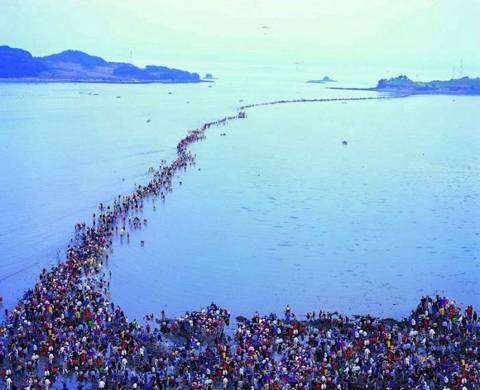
pixel 303 100
pixel 66 332
pixel 66 325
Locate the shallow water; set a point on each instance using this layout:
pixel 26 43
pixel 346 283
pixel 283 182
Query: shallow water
pixel 279 212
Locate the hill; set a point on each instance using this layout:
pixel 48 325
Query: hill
pixel 402 85
pixel 76 66
pixel 464 85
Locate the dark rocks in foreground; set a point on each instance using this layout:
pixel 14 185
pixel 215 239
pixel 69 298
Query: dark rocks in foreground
pixel 76 66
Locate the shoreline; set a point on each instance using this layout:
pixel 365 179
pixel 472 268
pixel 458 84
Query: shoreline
pixel 68 81
pixel 406 92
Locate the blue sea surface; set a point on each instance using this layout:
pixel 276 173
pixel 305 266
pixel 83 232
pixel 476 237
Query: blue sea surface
pixel 276 212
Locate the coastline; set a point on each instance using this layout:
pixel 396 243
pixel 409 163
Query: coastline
pixel 69 81
pixel 406 92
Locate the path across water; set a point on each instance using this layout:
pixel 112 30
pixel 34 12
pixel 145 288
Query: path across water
pixel 67 326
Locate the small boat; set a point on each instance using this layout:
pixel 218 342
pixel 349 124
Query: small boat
pixel 344 142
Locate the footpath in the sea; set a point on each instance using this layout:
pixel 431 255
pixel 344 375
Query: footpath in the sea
pixel 65 333
pixel 322 100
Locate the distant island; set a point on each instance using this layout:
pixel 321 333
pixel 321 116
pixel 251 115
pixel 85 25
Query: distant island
pixel 325 79
pixel 404 85
pixel 17 65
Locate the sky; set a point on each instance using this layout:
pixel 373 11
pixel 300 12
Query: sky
pixel 421 33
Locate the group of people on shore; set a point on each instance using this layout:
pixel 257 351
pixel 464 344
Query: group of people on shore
pixel 65 333
pixel 436 347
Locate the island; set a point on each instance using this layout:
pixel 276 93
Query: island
pixel 324 80
pixel 18 65
pixel 405 86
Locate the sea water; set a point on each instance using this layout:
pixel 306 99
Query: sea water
pixel 278 211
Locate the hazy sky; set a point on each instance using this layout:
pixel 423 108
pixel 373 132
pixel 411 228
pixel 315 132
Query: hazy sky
pixel 367 32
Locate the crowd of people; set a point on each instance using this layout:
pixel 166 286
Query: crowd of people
pixel 316 100
pixel 66 326
pixel 436 347
pixel 65 333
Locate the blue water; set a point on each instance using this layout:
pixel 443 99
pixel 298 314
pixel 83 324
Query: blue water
pixel 279 212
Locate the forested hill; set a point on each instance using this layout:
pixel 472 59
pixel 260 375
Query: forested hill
pixel 77 66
